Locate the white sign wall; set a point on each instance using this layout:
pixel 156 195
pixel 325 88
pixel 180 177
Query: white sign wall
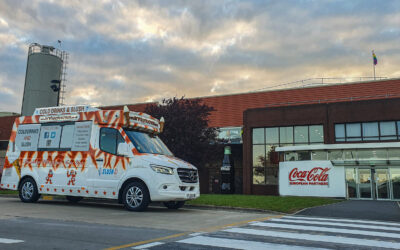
pixel 311 178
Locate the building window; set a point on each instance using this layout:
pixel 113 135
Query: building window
pixel 388 131
pixel 286 135
pixel 301 134
pixel 265 171
pixel 367 131
pixel 272 136
pixel 316 134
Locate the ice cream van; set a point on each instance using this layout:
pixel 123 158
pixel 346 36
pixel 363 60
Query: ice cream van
pixel 82 151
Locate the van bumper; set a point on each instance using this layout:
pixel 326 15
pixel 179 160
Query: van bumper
pixel 176 192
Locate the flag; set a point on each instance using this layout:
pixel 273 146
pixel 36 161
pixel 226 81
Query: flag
pixel 374 57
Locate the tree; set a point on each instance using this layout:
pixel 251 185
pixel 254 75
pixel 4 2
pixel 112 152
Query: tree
pixel 186 131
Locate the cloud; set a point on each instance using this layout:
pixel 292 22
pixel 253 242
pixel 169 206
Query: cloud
pixel 137 51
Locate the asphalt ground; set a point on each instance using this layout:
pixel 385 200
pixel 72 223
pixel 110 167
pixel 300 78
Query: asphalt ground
pixel 357 209
pixel 59 224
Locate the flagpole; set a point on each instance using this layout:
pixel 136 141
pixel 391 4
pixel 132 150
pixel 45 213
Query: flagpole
pixel 373 63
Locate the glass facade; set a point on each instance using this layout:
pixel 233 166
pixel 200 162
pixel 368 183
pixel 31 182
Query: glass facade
pixel 367 131
pixel 265 170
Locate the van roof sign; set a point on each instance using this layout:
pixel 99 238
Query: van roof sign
pixel 63 110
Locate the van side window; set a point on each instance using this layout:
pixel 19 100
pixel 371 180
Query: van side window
pixel 109 140
pixel 65 136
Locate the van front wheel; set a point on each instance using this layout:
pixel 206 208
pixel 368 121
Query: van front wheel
pixel 28 191
pixel 136 197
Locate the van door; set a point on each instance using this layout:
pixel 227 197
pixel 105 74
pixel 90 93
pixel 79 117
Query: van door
pixel 109 169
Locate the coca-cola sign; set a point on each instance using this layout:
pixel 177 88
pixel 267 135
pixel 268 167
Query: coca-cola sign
pixel 315 176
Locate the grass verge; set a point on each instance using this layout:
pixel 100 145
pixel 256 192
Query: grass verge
pixel 4 191
pixel 273 203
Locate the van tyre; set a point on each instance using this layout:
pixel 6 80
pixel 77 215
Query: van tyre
pixel 28 191
pixel 136 196
pixel 74 199
pixel 174 204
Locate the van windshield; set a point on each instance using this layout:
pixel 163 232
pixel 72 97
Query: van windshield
pixel 146 143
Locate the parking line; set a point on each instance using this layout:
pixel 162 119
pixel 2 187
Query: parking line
pixel 210 229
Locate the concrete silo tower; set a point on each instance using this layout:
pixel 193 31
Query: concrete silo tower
pixel 44 79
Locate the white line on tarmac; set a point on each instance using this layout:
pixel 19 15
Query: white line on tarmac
pixel 329 230
pixel 344 220
pixel 336 224
pixel 153 244
pixel 10 241
pixel 239 244
pixel 314 237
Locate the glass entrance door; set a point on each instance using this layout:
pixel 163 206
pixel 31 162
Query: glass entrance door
pixel 351 183
pixel 395 179
pixel 382 183
pixel 364 183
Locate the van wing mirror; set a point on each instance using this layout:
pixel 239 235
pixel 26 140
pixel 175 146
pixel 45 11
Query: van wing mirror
pixel 123 149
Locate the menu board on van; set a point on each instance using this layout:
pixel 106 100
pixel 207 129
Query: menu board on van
pixel 27 137
pixel 50 136
pixel 82 136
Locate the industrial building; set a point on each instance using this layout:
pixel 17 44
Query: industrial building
pixel 279 125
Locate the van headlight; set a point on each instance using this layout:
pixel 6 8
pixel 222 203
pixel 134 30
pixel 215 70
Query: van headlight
pixel 162 169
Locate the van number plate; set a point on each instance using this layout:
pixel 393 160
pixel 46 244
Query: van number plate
pixel 190 196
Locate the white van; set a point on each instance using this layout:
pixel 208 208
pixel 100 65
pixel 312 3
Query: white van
pixel 81 151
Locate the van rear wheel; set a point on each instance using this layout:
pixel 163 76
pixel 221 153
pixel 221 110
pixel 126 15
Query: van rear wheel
pixel 28 191
pixel 74 199
pixel 174 204
pixel 136 196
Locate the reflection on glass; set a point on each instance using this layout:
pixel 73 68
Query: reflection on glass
pixel 372 154
pixel 286 135
pixel 349 154
pixel 291 156
pixel 370 131
pixel 258 155
pixel 258 135
pixel 382 183
pixel 351 183
pixel 272 135
pixel 364 180
pixel 339 131
pixel 395 177
pixel 335 155
pixel 319 155
pixel 316 134
pixel 301 134
pixel 388 128
pixel 304 155
pixel 258 176
pixel 394 154
pixel 353 130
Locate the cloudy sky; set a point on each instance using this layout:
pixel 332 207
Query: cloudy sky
pixel 140 51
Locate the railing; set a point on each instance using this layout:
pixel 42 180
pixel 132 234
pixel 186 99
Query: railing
pixel 321 81
pixel 45 49
pixel 343 99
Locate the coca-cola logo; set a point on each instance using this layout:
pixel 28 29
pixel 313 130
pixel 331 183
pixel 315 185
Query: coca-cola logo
pixel 315 176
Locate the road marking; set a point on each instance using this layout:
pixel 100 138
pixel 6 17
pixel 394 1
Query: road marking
pixel 148 245
pixel 314 237
pixel 197 234
pixel 9 241
pixel 325 229
pixel 210 229
pixel 239 244
pixel 344 220
pixel 147 241
pixel 337 224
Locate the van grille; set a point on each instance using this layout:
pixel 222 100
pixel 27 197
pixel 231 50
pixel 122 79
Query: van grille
pixel 188 175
